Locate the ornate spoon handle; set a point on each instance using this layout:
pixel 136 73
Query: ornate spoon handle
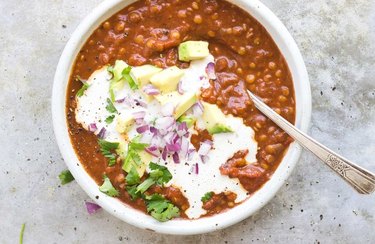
pixel 361 179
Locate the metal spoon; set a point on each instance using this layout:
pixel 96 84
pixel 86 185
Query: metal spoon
pixel 361 179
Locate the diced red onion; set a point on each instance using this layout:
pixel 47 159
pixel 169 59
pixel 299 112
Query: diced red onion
pixel 151 152
pixel 210 70
pixel 182 129
pixel 102 133
pixel 120 100
pixel 173 147
pixel 153 130
pixel 201 77
pixel 204 159
pixel 196 168
pixel 198 109
pixel 164 154
pixel 150 90
pixel 142 129
pixel 152 148
pixel 92 207
pixel 168 109
pixel 164 123
pixel 204 149
pixel 92 127
pixel 190 153
pixel 184 147
pixel 139 121
pixel 179 88
pixel 176 158
pixel 140 103
pixel 146 137
pixel 139 115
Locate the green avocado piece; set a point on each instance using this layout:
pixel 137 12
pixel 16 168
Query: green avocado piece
pixel 124 123
pixel 193 50
pixel 219 128
pixel 181 102
pixel 214 119
pixel 117 69
pixel 145 158
pixel 142 74
pixel 167 79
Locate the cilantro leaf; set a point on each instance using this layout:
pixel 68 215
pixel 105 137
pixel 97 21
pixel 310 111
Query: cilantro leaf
pixel 160 208
pixel 132 190
pixel 108 188
pixel 109 119
pixel 132 157
pixel 160 174
pixel 207 196
pixel 106 149
pixel 66 177
pixel 110 107
pixel 132 177
pixel 127 77
pixel 145 185
pixel 84 87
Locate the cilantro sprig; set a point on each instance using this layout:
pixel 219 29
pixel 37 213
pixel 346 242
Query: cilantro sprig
pixel 160 208
pixel 132 157
pixel 107 149
pixel 109 119
pixel 82 90
pixel 126 75
pixel 207 196
pixel 110 107
pixel 108 188
pixel 66 177
pixel 159 175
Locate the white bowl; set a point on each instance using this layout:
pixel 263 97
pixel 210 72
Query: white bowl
pixel 134 217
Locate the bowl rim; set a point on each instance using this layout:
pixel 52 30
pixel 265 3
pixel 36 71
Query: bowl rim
pixel 296 65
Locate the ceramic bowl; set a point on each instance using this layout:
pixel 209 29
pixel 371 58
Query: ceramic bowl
pixel 289 49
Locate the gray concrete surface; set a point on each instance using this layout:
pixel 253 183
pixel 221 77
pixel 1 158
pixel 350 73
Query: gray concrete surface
pixel 337 41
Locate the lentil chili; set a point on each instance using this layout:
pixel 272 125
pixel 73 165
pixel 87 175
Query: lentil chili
pixel 246 57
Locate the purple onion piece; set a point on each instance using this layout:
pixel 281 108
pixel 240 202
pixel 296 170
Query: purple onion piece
pixel 210 70
pixel 120 100
pixel 176 158
pixel 142 129
pixel 139 115
pixel 198 109
pixel 204 158
pixel 102 133
pixel 151 152
pixel 150 90
pixel 140 103
pixel 168 109
pixel 179 88
pixel 92 127
pixel 92 207
pixel 164 154
pixel 196 168
pixel 173 147
pixel 153 130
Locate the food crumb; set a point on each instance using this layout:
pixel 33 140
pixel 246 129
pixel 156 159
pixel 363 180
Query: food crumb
pixel 321 217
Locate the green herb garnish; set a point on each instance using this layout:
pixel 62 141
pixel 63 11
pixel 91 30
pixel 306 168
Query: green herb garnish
pixel 21 233
pixel 132 157
pixel 84 87
pixel 109 119
pixel 107 149
pixel 132 190
pixel 66 177
pixel 207 196
pixel 110 107
pixel 160 208
pixel 127 77
pixel 159 175
pixel 132 177
pixel 108 188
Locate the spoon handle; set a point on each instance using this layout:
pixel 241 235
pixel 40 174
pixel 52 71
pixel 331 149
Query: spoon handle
pixel 361 179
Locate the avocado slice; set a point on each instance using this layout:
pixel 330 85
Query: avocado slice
pixel 167 79
pixel 124 123
pixel 122 151
pixel 214 119
pixel 193 50
pixel 142 74
pixel 181 102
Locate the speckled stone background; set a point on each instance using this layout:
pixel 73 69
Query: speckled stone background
pixel 337 41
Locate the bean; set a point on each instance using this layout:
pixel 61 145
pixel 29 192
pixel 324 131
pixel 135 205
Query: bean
pixel 120 26
pixel 278 73
pixel 273 148
pixel 195 5
pixel 198 19
pixel 107 25
pixel 211 33
pixel 250 78
pixel 134 17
